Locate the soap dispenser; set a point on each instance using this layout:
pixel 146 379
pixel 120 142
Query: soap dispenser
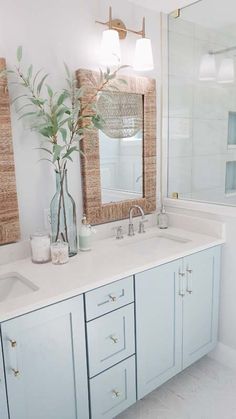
pixel 85 234
pixel 162 218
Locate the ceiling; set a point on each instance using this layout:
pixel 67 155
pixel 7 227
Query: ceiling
pixel 165 6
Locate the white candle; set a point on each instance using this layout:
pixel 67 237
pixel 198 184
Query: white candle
pixel 60 253
pixel 40 247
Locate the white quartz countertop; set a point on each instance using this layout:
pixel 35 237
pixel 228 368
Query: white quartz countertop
pixel 110 260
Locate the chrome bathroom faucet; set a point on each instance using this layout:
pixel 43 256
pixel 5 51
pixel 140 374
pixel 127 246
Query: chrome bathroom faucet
pixel 141 223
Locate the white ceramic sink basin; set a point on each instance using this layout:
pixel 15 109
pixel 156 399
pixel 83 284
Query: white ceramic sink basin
pixel 154 238
pixel 13 285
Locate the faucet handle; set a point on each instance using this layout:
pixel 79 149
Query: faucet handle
pixel 119 232
pixel 141 226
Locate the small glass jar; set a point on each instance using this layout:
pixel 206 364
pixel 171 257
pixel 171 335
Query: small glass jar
pixel 40 247
pixel 60 252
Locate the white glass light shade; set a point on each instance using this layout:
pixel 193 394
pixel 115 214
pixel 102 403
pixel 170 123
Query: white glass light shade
pixel 143 59
pixel 110 54
pixel 226 71
pixel 207 68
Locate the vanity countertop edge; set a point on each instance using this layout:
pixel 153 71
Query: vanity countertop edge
pixel 109 261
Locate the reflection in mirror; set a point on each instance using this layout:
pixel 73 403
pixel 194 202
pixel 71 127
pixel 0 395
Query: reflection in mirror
pixel 121 146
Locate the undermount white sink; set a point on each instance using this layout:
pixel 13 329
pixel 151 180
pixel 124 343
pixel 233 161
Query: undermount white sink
pixel 154 238
pixel 13 285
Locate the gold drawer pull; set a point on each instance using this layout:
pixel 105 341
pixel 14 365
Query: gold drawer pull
pixel 116 393
pixel 13 343
pixel 114 339
pixel 15 372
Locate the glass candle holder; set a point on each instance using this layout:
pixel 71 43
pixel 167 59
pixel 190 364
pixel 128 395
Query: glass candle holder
pixel 40 247
pixel 60 252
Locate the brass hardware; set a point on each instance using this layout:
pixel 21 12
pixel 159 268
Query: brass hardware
pixel 189 281
pixel 114 339
pixel 113 298
pixel 175 14
pixel 120 27
pixel 116 393
pixel 15 372
pixel 181 284
pixel 175 195
pixel 13 343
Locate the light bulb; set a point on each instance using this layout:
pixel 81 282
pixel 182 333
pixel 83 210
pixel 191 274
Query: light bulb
pixel 143 59
pixel 207 68
pixel 226 71
pixel 110 48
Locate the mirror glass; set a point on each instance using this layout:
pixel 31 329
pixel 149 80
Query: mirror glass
pixel 121 146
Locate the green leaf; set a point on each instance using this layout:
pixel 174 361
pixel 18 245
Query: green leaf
pixel 46 160
pixel 97 121
pixel 19 53
pixel 24 106
pixel 69 152
pixel 57 149
pixel 36 75
pixel 17 98
pixel 37 102
pixel 64 122
pixel 30 71
pixel 63 132
pixel 26 114
pixel 44 149
pixel 61 98
pixel 122 81
pixel 67 70
pixel 46 131
pixel 50 92
pixel 40 85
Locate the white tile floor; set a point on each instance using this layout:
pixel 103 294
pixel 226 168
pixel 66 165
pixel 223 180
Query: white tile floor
pixel 206 390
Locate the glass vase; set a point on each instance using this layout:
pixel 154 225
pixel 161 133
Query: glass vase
pixel 63 214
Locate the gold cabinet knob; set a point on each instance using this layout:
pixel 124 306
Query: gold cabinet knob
pixel 13 343
pixel 114 339
pixel 116 393
pixel 15 372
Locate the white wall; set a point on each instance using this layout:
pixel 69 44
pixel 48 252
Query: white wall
pixel 52 32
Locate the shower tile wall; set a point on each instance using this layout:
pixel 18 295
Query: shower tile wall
pixel 198 116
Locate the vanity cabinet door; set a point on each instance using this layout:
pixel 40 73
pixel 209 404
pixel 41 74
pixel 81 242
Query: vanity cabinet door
pixel 200 304
pixel 158 325
pixel 45 361
pixel 3 398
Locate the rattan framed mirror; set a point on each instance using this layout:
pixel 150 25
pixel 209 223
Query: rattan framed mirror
pixel 9 217
pixel 98 167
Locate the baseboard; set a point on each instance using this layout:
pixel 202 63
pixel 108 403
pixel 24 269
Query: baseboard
pixel 225 355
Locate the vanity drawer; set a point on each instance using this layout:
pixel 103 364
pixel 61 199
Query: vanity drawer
pixel 108 298
pixel 110 339
pixel 113 391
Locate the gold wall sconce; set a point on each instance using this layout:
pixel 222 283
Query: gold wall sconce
pixel 110 47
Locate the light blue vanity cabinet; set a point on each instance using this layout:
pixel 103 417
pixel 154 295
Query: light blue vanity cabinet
pixel 158 326
pixel 110 331
pixel 200 304
pixel 114 390
pixel 176 316
pixel 3 396
pixel 45 363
